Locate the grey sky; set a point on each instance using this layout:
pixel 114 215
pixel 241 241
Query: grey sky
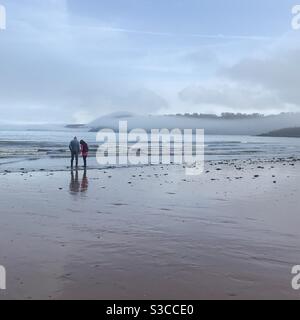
pixel 73 61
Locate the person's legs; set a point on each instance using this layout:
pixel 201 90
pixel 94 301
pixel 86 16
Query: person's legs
pixel 76 156
pixel 84 161
pixel 72 159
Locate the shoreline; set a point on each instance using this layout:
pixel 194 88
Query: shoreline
pixel 242 161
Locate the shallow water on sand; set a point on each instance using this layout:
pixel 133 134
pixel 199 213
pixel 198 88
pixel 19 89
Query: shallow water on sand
pixel 35 150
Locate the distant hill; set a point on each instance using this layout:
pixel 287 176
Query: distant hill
pixel 226 124
pixel 75 126
pixel 287 132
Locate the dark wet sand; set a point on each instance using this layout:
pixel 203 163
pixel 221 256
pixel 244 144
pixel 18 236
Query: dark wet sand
pixel 152 233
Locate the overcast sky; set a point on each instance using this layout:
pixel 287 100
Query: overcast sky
pixel 75 60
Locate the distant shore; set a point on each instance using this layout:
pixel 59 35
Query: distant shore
pixel 285 133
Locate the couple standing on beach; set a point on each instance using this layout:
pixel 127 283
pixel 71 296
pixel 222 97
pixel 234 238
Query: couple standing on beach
pixel 76 148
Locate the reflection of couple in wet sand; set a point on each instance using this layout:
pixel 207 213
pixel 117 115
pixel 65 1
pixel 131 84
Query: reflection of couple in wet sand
pixel 75 185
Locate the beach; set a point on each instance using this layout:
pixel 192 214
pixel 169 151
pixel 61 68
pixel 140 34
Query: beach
pixel 152 232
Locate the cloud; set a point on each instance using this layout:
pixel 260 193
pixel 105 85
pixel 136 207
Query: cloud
pixel 232 96
pixel 279 73
pixel 56 67
pixel 188 35
pixel 266 83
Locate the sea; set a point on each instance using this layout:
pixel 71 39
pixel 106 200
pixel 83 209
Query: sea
pixel 48 150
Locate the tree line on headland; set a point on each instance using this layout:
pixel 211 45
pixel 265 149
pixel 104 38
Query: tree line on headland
pixel 224 115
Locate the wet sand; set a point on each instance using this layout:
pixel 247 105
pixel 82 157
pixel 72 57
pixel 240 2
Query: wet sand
pixel 152 232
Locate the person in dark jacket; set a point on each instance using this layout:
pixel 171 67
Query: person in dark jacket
pixel 75 150
pixel 84 151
